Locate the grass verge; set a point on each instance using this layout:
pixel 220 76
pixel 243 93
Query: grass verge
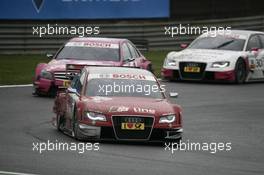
pixel 18 69
pixel 157 58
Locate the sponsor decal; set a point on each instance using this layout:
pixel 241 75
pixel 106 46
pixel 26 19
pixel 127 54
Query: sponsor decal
pixel 129 76
pixel 92 44
pixel 98 99
pixel 135 109
pixel 142 110
pixel 118 109
pixel 122 76
pixel 226 35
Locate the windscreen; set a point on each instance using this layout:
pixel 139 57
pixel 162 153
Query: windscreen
pixel 218 42
pixel 123 88
pixel 93 51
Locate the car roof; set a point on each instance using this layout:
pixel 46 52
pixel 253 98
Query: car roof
pixel 241 33
pixel 98 39
pixel 117 70
pixel 246 32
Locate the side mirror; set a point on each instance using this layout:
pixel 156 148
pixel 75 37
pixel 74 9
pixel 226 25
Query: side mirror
pixel 184 45
pixel 128 60
pixel 174 94
pixel 49 55
pixel 131 59
pixel 71 90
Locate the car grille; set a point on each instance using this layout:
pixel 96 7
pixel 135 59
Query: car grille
pixel 62 75
pixel 133 134
pixel 192 75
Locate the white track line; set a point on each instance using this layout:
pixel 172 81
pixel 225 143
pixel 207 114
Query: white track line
pixel 14 173
pixel 14 86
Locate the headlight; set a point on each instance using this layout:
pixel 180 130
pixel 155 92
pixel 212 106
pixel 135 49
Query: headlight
pixel 220 64
pixel 95 116
pixel 170 62
pixel 167 119
pixel 45 74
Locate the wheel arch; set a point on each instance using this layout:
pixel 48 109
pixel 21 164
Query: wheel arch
pixel 77 110
pixel 238 78
pixel 246 62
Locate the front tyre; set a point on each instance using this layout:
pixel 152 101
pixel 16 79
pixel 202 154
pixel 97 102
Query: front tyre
pixel 75 133
pixel 75 128
pixel 240 71
pixel 60 122
pixel 36 92
pixel 150 68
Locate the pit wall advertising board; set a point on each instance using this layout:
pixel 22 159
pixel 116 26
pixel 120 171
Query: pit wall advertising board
pixel 83 9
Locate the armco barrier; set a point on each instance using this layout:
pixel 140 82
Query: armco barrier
pixel 16 36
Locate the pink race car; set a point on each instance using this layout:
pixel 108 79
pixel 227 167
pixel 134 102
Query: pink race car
pixel 86 51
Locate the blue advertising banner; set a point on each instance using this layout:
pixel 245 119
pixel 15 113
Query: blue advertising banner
pixel 83 9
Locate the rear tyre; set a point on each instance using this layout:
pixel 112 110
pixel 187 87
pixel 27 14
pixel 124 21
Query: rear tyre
pixel 240 72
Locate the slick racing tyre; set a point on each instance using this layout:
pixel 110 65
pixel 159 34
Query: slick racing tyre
pixel 240 72
pixel 60 122
pixel 75 128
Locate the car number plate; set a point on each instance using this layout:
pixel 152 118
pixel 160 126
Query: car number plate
pixel 132 126
pixel 192 69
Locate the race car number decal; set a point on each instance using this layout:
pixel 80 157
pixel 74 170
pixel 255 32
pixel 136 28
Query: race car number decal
pixel 259 63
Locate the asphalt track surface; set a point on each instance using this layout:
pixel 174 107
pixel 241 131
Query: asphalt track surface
pixel 212 113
